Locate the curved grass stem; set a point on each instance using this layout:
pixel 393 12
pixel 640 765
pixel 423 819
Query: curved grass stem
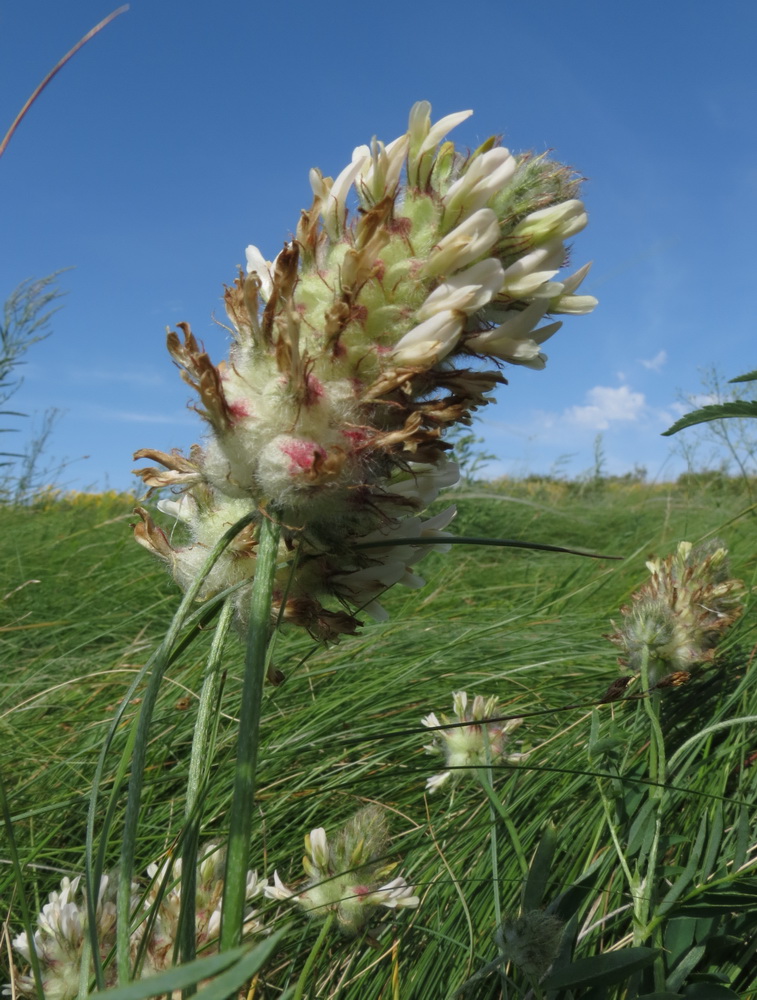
pixel 315 951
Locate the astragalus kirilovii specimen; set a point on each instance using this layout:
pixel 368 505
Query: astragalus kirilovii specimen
pixel 677 618
pixel 346 873
pixel 353 351
pixel 60 938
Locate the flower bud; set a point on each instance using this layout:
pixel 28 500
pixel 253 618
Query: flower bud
pixel 556 222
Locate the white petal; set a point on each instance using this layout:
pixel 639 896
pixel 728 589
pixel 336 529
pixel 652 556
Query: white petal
pixel 319 847
pixel 439 129
pixel 518 325
pixel 459 703
pixel 278 890
pixel 393 894
pixel 557 221
pixel 334 209
pixel 574 305
pixel 435 782
pixel 486 175
pixel 430 341
pixel 473 238
pixel 256 263
pixel 571 283
pixel 518 350
pixel 467 291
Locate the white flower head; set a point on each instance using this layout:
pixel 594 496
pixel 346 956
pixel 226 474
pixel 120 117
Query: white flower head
pixel 351 359
pixel 161 906
pixel 472 742
pixel 345 874
pixel 60 937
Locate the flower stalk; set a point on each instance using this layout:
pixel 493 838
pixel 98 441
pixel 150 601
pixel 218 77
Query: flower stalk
pixel 240 820
pixel 199 765
pixel 299 991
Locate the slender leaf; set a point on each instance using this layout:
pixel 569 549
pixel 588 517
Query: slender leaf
pixel 245 774
pixel 538 872
pixel 709 991
pixel 687 875
pixel 602 970
pixel 685 966
pixel 743 839
pixel 664 995
pixel 229 970
pixel 713 845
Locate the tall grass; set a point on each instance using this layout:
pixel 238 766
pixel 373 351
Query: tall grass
pixel 84 609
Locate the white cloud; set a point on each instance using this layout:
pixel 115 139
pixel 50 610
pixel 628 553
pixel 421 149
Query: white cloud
pixel 704 399
pixel 655 364
pixel 606 405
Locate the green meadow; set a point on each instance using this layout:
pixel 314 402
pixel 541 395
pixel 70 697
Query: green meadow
pixel 578 827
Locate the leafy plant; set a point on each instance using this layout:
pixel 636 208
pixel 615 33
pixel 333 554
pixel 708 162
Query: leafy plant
pixel 718 411
pixel 26 321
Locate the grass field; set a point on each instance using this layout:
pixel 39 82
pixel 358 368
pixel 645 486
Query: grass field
pixel 579 828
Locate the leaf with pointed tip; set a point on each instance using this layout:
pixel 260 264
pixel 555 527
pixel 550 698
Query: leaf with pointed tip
pixel 749 377
pixel 717 411
pixel 538 873
pixel 231 969
pixel 602 970
pixel 687 875
pixel 709 991
pixel 661 996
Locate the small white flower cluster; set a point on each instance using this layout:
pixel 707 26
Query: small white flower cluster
pixel 353 352
pixel 345 875
pixel 162 906
pixel 473 742
pixel 59 940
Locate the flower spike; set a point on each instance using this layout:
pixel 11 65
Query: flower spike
pixel 353 351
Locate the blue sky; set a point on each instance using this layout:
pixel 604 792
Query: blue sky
pixel 186 130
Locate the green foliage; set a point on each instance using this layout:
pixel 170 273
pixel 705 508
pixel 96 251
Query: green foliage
pixel 343 730
pixel 26 321
pixel 716 411
pixel 223 974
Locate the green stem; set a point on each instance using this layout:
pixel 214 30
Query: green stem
pixel 26 916
pixel 485 778
pixel 240 819
pixel 159 665
pixel 299 991
pixel 199 767
pixel 509 825
pixel 657 792
pixel 200 759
